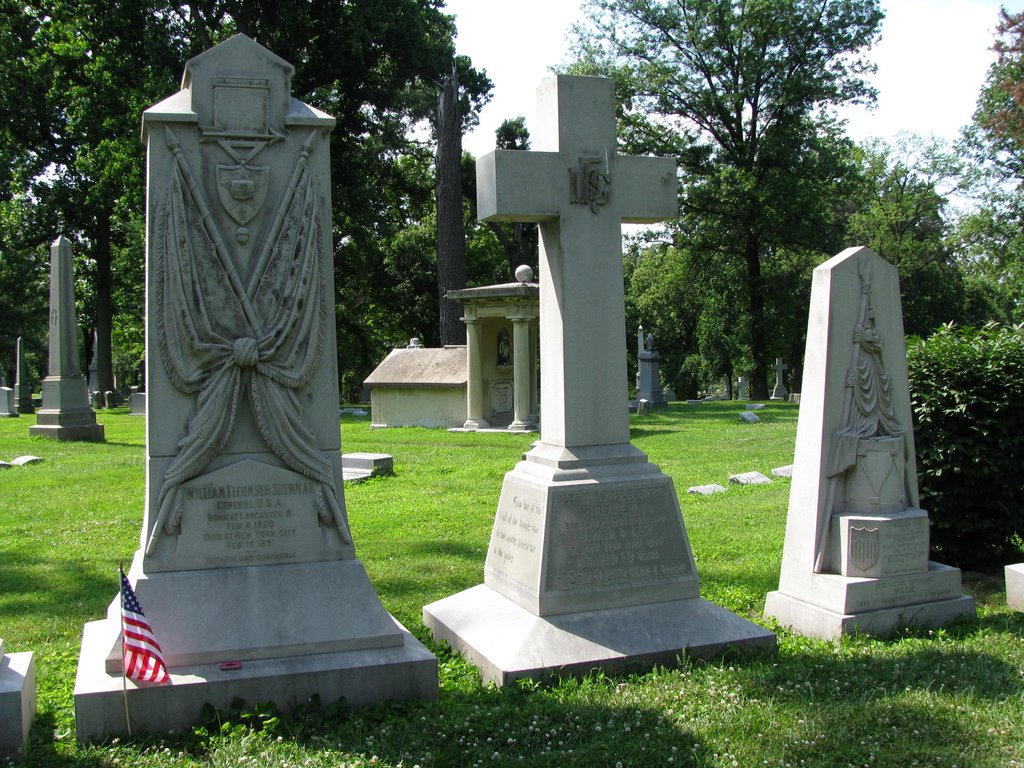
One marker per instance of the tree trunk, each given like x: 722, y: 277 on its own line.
x: 758, y: 332
x: 104, y: 304
x: 451, y: 231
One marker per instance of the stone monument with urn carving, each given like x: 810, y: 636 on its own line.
x: 856, y: 549
x: 246, y: 569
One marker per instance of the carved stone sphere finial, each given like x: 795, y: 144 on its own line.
x: 524, y: 274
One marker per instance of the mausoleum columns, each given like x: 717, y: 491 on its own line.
x: 475, y: 384
x: 522, y: 372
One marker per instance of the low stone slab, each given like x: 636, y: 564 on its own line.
x: 786, y: 471
x: 749, y: 478
x: 631, y: 638
x: 21, y: 461
x: 359, y: 466
x: 750, y: 418
x: 706, y: 490
x: 755, y: 406
x: 1015, y: 587
x: 17, y: 702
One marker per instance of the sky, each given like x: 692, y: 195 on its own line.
x: 932, y: 61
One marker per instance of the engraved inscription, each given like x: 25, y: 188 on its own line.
x: 249, y: 514
x: 605, y: 538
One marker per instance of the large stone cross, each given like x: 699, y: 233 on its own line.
x: 580, y: 191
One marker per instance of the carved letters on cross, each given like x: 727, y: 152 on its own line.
x: 589, y: 184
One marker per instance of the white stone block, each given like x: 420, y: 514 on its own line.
x: 749, y: 478
x: 17, y: 702
x: 1014, y: 586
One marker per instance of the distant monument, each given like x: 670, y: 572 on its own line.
x: 22, y: 383
x: 648, y: 374
x: 780, y: 392
x: 246, y: 569
x: 66, y: 413
x: 856, y: 551
x: 501, y: 353
x: 589, y: 565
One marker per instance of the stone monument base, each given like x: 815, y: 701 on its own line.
x: 67, y: 425
x: 360, y: 677
x: 17, y: 702
x: 830, y: 605
x: 589, y: 566
x: 507, y: 642
x: 285, y: 632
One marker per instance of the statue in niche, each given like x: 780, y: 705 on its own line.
x: 223, y: 337
x: 504, y: 348
x: 867, y: 470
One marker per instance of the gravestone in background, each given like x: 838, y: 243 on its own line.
x: 66, y: 413
x: 856, y: 549
x: 780, y: 392
x: 246, y: 555
x: 22, y: 383
x: 1014, y: 586
x: 589, y: 565
x: 8, y: 405
x: 648, y: 374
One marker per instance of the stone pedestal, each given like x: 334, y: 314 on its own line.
x: 17, y: 702
x: 8, y: 405
x: 589, y: 566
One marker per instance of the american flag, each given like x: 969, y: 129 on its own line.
x: 143, y: 659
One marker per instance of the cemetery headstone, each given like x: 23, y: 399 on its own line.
x: 22, y: 383
x: 65, y: 414
x: 17, y: 702
x: 94, y: 376
x: 749, y: 478
x: 706, y: 490
x: 741, y: 389
x: 589, y: 565
x: 648, y: 373
x: 856, y: 548
x: 8, y: 405
x: 780, y: 392
x: 785, y: 471
x: 1014, y: 586
x: 137, y: 404
x: 750, y: 417
x: 246, y: 555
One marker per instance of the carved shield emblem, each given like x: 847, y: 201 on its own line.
x: 865, y: 544
x: 242, y: 190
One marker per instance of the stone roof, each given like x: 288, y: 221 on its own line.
x: 421, y: 367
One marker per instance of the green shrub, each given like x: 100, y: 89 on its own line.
x: 967, y: 393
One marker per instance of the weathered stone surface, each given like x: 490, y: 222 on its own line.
x: 17, y: 702
x: 855, y: 554
x: 749, y: 417
x: 706, y: 490
x: 588, y: 545
x: 749, y: 478
x: 246, y: 554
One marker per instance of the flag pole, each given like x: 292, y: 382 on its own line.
x: 124, y: 672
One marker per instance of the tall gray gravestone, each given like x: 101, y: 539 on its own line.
x: 22, y: 384
x: 589, y: 565
x: 246, y: 555
x: 648, y: 373
x: 856, y: 550
x: 65, y: 413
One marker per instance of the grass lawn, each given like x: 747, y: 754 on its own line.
x: 951, y: 697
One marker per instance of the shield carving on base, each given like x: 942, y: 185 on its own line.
x: 242, y: 190
x: 865, y: 545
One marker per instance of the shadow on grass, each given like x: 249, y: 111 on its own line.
x: 47, y: 586
x: 46, y: 752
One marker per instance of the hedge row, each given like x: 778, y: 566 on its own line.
x: 967, y: 392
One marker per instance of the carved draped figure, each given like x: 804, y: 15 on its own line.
x: 222, y: 339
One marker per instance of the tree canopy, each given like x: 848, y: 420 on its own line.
x: 740, y: 93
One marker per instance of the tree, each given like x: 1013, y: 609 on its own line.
x: 738, y: 91
x: 903, y: 218
x: 93, y: 66
x: 988, y: 238
x: 451, y: 230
